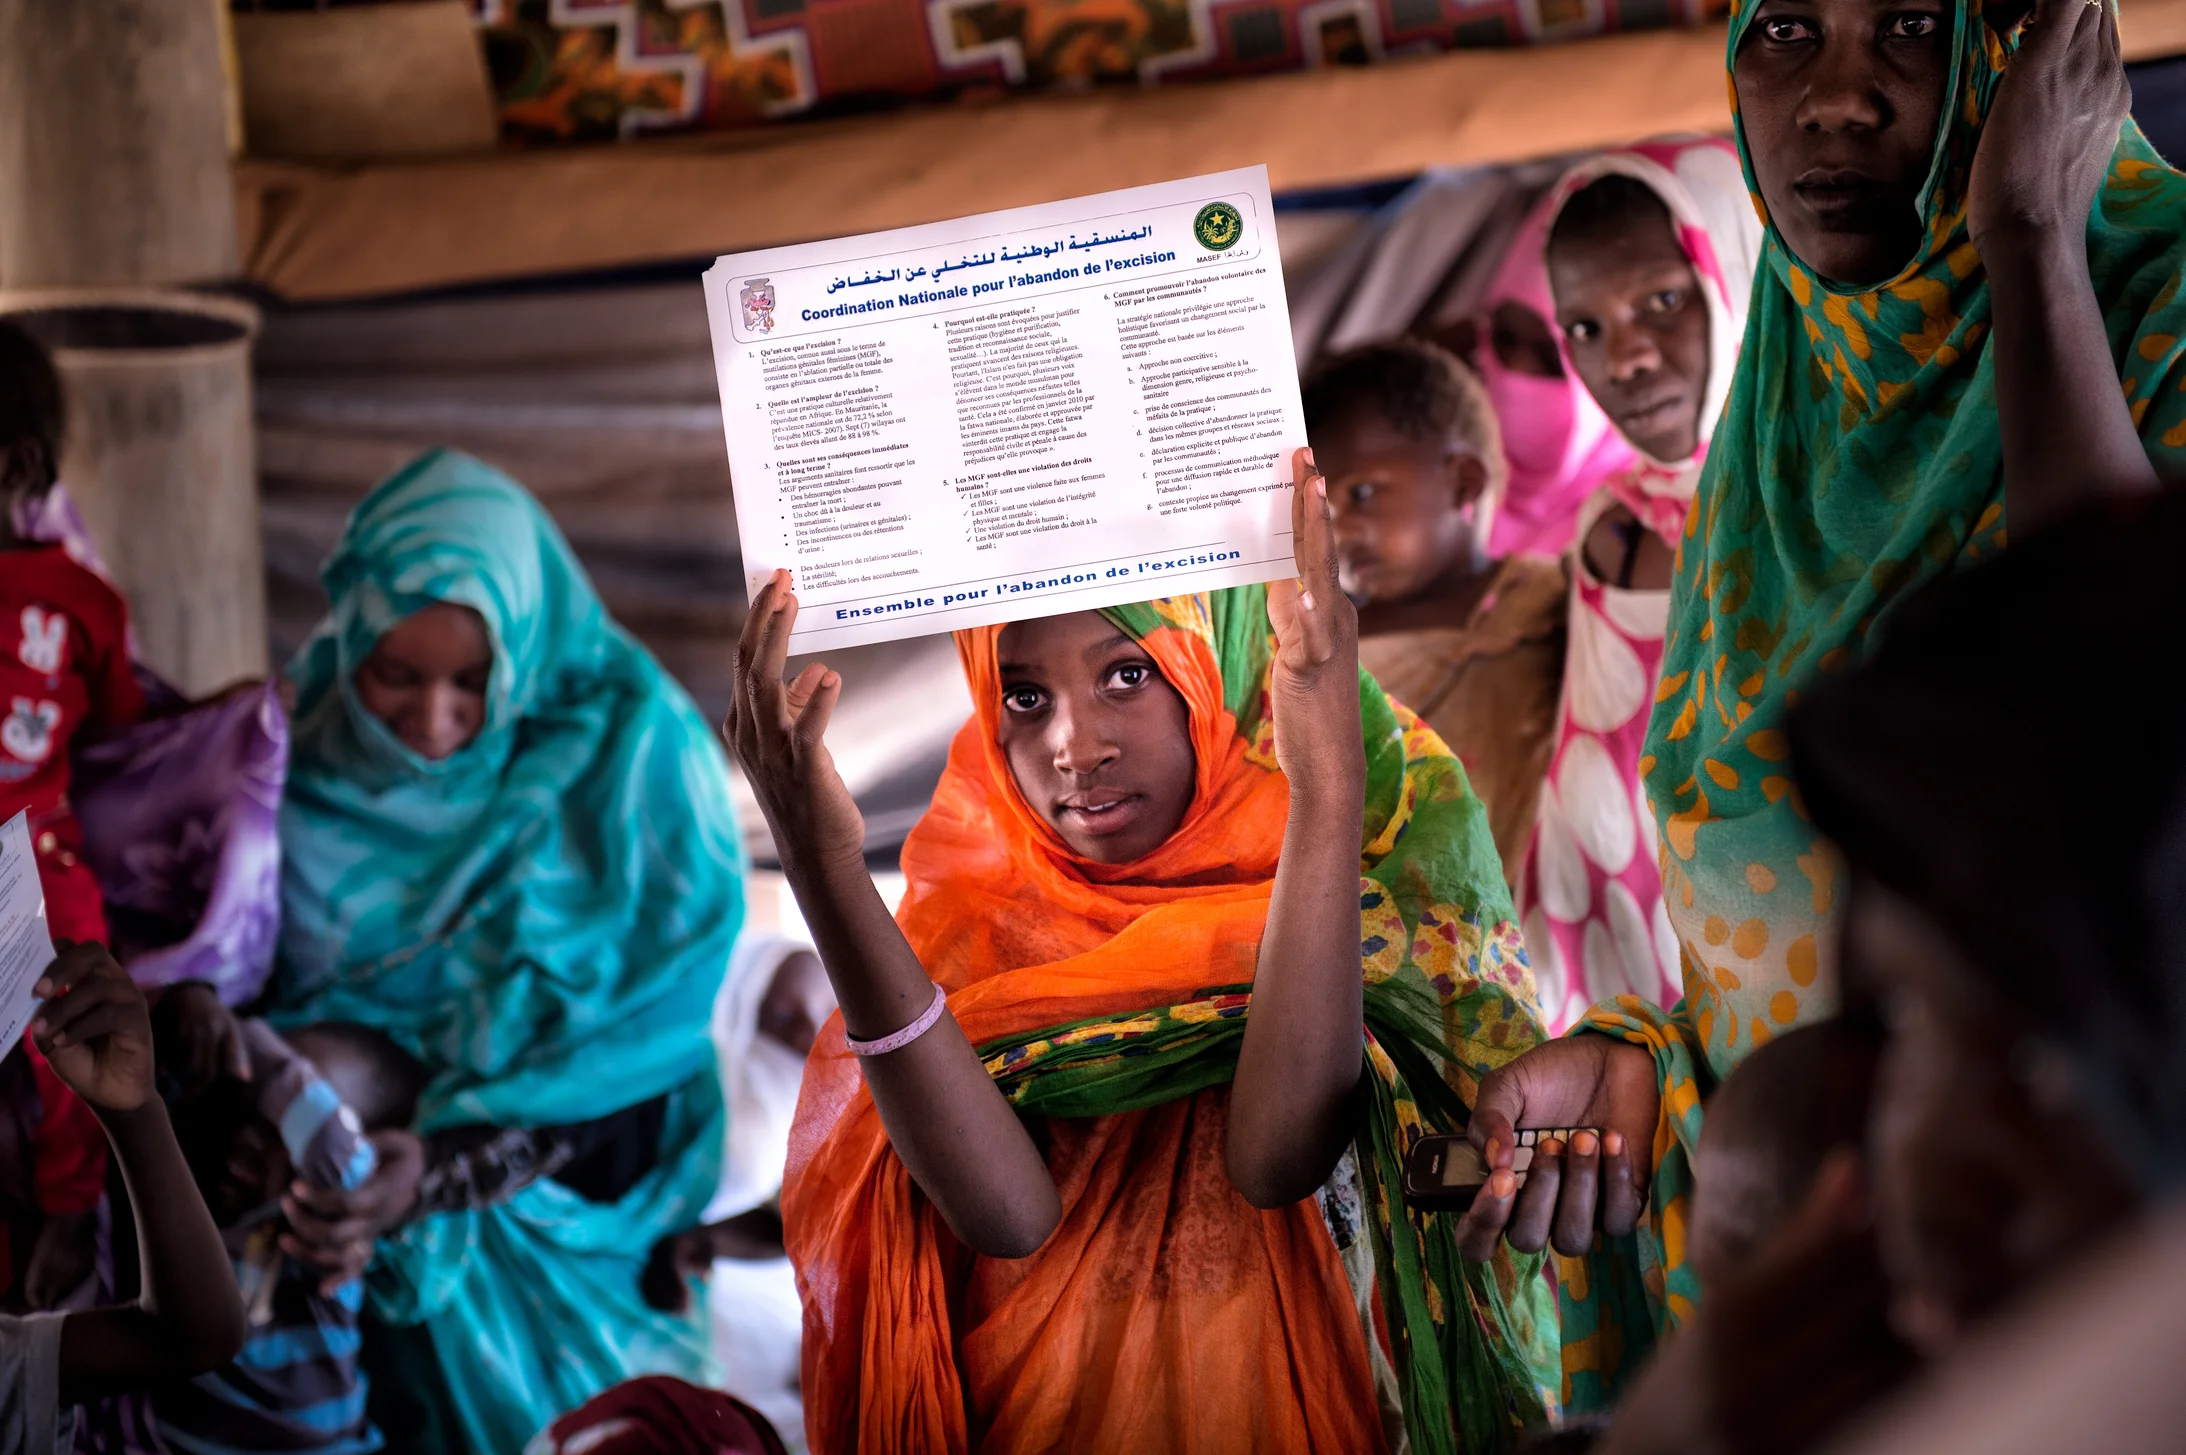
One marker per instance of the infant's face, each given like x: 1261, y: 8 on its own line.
x: 1400, y: 506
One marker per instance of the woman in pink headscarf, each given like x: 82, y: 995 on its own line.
x: 1650, y: 253
x: 1557, y: 441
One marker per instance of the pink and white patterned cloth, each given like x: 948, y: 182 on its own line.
x: 1590, y: 894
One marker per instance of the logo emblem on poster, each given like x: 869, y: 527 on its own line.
x: 1218, y: 227
x: 758, y: 300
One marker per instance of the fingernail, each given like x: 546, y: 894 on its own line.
x: 1501, y: 1185
x: 37, y: 1028
x: 1309, y: 457
x: 1320, y: 486
x: 1613, y: 1144
x: 1491, y: 1151
x: 1306, y: 600
x: 1585, y: 1144
x: 830, y: 679
x: 1552, y: 1147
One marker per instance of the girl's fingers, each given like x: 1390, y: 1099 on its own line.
x: 768, y: 643
x: 1530, y: 1220
x: 810, y: 727
x: 798, y: 693
x: 87, y: 1024
x: 1573, y: 1233
x: 72, y: 965
x: 64, y: 1012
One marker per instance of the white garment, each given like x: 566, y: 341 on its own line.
x: 32, y: 1421
x: 753, y: 1306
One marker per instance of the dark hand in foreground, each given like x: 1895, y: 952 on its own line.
x: 681, y: 1257
x: 2053, y: 125
x: 199, y: 1039
x: 1314, y: 690
x: 1595, y: 1183
x: 777, y: 732
x: 333, y: 1230
x: 94, y: 1028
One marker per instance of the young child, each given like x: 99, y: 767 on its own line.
x: 96, y: 1034
x: 1472, y: 644
x: 1769, y: 1129
x: 64, y: 666
x: 305, y: 1113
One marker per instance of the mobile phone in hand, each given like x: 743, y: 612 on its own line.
x: 1445, y: 1172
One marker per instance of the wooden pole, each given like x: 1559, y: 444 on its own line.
x: 113, y: 144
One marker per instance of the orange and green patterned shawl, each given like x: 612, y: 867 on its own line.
x: 1856, y: 459
x: 1093, y: 990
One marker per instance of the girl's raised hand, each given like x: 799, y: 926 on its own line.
x: 1315, y: 685
x: 777, y: 732
x: 94, y: 1028
x: 2051, y: 130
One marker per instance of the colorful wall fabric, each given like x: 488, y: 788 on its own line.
x: 592, y: 70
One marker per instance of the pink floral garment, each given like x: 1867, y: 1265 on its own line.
x: 1590, y: 894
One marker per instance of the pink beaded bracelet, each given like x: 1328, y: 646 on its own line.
x: 904, y: 1037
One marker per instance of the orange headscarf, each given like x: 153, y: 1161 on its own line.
x: 1165, y: 1312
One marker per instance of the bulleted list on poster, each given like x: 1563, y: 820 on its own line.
x: 1043, y: 410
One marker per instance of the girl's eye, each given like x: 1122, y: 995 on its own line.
x: 1132, y: 674
x: 474, y: 681
x: 1786, y: 32
x: 1666, y: 301
x: 1360, y: 494
x: 1912, y: 27
x: 1021, y: 699
x: 1586, y: 330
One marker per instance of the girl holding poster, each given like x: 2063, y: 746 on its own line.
x: 1102, y: 1151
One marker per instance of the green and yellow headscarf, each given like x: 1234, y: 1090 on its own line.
x: 1858, y: 457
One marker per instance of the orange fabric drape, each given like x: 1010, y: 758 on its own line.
x: 1165, y: 1313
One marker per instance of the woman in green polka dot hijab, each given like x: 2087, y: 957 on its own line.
x: 1969, y: 317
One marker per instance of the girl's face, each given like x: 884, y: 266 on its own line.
x: 1986, y: 1174
x: 1636, y: 326
x: 1840, y: 101
x: 1098, y: 741
x: 427, y: 678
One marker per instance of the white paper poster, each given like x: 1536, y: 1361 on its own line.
x: 1043, y: 410
x: 26, y: 948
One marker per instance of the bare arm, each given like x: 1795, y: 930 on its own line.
x: 958, y: 1137
x: 97, y: 1034
x: 1294, y: 1104
x: 2068, y: 435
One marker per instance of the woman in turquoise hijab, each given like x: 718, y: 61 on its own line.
x: 509, y: 846
x: 1970, y: 318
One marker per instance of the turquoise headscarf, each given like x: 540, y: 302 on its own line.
x: 1857, y: 458
x: 543, y: 918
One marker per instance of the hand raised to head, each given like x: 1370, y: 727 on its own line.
x: 2053, y: 125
